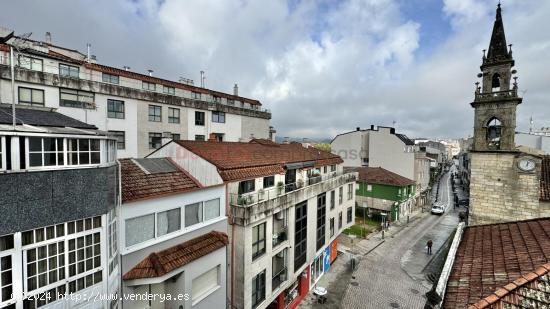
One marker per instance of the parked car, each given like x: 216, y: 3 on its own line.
x: 437, y: 209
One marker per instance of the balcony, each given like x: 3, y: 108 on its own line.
x: 497, y: 95
x: 278, y: 278
x: 263, y: 203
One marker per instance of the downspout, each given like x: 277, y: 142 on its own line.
x: 118, y: 212
x: 230, y: 221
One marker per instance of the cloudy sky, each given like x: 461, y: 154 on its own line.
x: 322, y: 67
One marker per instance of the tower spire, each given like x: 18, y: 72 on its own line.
x: 498, y: 49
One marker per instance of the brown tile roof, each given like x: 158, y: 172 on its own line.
x: 137, y: 184
x: 165, y: 82
x: 491, y: 256
x: 239, y: 161
x: 545, y: 179
x: 378, y: 175
x: 524, y: 292
x: 4, y: 47
x: 160, y: 263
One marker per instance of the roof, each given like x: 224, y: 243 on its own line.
x: 137, y: 184
x: 490, y: 257
x: 523, y: 292
x: 160, y: 263
x: 545, y: 179
x: 239, y: 161
x: 405, y: 139
x: 498, y: 50
x: 40, y: 117
x: 378, y: 175
x: 402, y: 137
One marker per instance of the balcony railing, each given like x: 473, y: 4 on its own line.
x: 279, y: 237
x: 489, y: 96
x: 278, y: 278
x: 248, y: 199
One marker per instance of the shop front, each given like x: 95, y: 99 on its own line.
x: 291, y: 297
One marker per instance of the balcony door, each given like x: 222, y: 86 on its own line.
x: 290, y: 180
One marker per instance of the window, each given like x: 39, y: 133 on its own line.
x: 83, y: 151
x: 321, y: 219
x: 45, y: 265
x: 196, y: 96
x: 31, y: 96
x: 369, y: 188
x: 350, y: 191
x: 218, y: 117
x: 155, y: 113
x: 112, y: 238
x: 169, y: 90
x: 168, y: 221
x: 45, y: 151
x: 230, y: 102
x: 2, y: 157
x: 340, y: 220
x: 115, y: 109
x: 332, y: 199
x: 173, y: 115
x: 120, y: 140
x: 84, y: 254
x: 325, y: 169
x: 494, y: 132
x: 340, y: 195
x: 331, y: 225
x: 269, y: 181
x: 199, y: 118
x: 258, y: 289
x: 200, y: 212
x: 246, y: 186
x: 199, y: 137
x: 176, y: 136
x: 333, y: 168
x: 155, y: 140
x: 216, y: 99
x: 205, y: 284
x: 111, y: 79
x: 69, y: 70
x: 218, y: 136
x: 258, y: 240
x: 349, y: 215
x: 148, y: 86
x: 139, y: 229
x: 76, y: 98
x: 300, y: 235
x: 29, y: 63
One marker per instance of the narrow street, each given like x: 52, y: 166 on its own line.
x: 393, y: 275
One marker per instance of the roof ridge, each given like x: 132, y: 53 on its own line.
x: 507, y: 289
x: 510, y: 222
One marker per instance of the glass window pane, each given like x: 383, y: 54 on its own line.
x: 37, y: 96
x: 35, y: 144
x: 24, y: 95
x: 168, y: 221
x: 140, y: 229
x: 211, y: 209
x: 193, y: 214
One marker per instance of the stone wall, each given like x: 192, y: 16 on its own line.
x: 499, y: 192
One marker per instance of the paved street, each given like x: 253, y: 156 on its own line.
x: 391, y: 272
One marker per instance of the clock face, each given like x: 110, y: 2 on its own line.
x: 527, y: 165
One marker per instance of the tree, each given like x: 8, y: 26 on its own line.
x: 323, y: 146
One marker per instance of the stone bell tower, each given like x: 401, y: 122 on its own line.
x: 504, y: 183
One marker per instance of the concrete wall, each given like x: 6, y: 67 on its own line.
x: 349, y: 146
x: 254, y: 126
x: 500, y: 192
x: 539, y: 142
x: 388, y: 151
x: 36, y: 199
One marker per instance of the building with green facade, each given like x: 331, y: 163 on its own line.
x: 379, y: 190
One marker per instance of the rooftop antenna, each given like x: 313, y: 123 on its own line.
x: 150, y: 72
x: 531, y: 124
x: 17, y: 43
x: 202, y: 79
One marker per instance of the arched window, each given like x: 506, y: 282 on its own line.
x: 494, y: 128
x: 495, y: 83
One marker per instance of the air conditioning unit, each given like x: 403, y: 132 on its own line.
x: 280, y: 215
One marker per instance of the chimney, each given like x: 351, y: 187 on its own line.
x: 212, y: 137
x: 126, y: 68
x: 166, y: 137
x: 202, y: 79
x: 150, y: 72
x: 48, y: 38
x: 88, y: 55
x: 272, y: 132
x: 236, y: 90
x: 358, y: 128
x: 251, y: 136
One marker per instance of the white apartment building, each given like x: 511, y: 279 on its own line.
x: 376, y: 147
x: 138, y: 109
x: 58, y: 240
x: 286, y: 204
x: 173, y: 239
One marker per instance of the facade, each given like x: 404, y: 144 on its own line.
x: 376, y: 147
x: 58, y: 211
x: 286, y: 205
x: 422, y: 177
x: 534, y: 141
x: 383, y: 191
x: 505, y: 184
x: 173, y: 237
x: 138, y: 108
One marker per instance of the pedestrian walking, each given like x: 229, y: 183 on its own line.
x: 429, y: 246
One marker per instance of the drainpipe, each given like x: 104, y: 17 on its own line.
x: 12, y: 67
x: 230, y: 221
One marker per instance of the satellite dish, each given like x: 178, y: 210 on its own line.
x: 479, y: 75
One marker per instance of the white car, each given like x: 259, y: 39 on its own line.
x: 437, y: 209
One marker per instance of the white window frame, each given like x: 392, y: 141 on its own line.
x: 148, y: 86
x: 78, y: 152
x: 31, y: 62
x: 9, y: 252
x: 3, y: 153
x: 201, y: 207
x: 168, y: 90
x: 210, y: 290
x: 57, y: 152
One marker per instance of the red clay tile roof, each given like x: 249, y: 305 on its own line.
x: 545, y: 179
x: 4, y: 47
x: 491, y: 256
x: 524, y: 292
x: 165, y: 82
x: 378, y: 175
x: 239, y: 161
x: 160, y: 263
x: 137, y: 184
